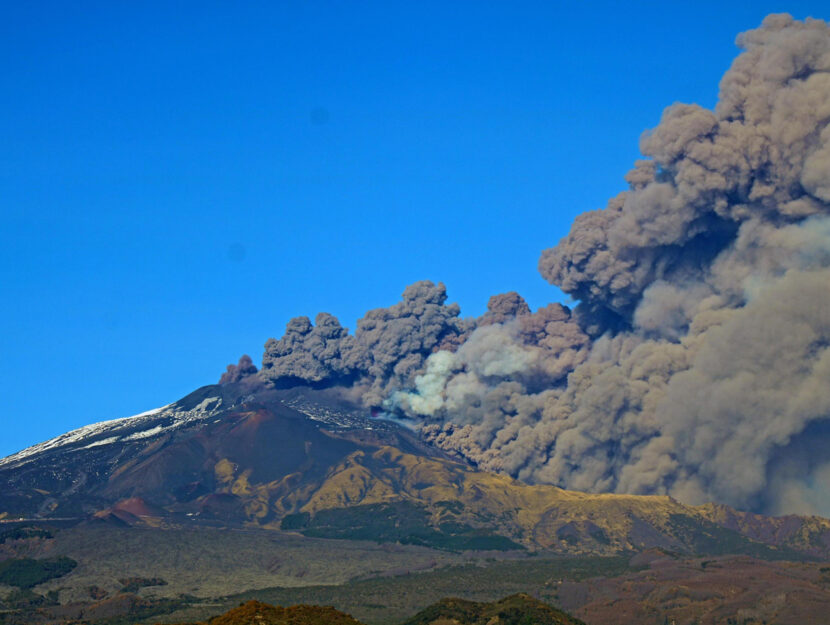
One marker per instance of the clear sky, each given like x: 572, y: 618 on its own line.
x: 179, y: 179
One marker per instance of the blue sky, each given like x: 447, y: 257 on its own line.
x: 179, y: 179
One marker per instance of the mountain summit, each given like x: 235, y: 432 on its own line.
x: 312, y: 462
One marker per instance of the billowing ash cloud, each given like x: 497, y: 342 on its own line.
x: 762, y: 156
x: 235, y: 373
x: 504, y: 307
x: 309, y: 353
x: 391, y: 344
x: 387, y: 350
x: 697, y: 361
x: 706, y: 289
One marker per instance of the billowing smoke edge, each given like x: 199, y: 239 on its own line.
x: 697, y: 360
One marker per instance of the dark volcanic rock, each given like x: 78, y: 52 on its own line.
x: 179, y: 459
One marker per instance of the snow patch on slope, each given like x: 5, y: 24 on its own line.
x: 145, y: 434
x: 104, y: 441
x: 75, y: 436
x: 136, y: 427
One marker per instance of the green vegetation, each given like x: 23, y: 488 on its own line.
x: 706, y: 538
x: 142, y: 610
x: 27, y: 573
x: 28, y: 608
x: 400, y: 522
x: 390, y: 600
x: 599, y: 535
x: 23, y: 599
x: 295, y: 521
x: 22, y: 533
x: 519, y: 609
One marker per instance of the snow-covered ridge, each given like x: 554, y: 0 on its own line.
x: 76, y: 436
x: 143, y: 425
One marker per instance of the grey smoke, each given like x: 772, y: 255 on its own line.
x: 504, y: 307
x: 243, y: 369
x: 697, y: 360
x: 309, y: 353
x: 707, y: 290
x: 387, y: 350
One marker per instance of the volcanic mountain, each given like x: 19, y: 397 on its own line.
x: 310, y: 461
x: 193, y: 456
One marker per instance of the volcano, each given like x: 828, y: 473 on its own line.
x: 178, y: 460
x: 313, y: 462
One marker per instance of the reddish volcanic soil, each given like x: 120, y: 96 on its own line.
x: 710, y: 591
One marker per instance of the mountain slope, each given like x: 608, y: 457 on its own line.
x: 182, y: 454
x: 243, y: 456
x: 544, y: 517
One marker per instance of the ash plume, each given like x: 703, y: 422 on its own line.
x: 706, y: 289
x: 387, y: 350
x: 308, y: 353
x: 696, y: 362
x: 392, y: 344
x: 244, y: 368
x: 504, y: 307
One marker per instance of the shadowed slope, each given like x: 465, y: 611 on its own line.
x: 235, y: 456
x: 520, y: 609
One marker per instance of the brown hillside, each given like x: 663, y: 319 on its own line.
x: 520, y: 609
x: 547, y: 517
x: 258, y: 613
x: 217, y: 459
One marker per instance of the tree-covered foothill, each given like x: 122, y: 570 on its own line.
x: 28, y: 572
